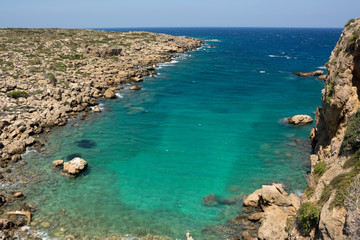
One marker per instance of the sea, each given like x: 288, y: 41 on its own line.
x: 210, y: 122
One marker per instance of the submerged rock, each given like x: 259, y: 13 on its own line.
x: 210, y: 200
x: 299, y: 119
x: 74, y: 167
x: 86, y: 143
x: 72, y: 156
x: 135, y: 88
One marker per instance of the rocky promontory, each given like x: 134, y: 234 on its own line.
x: 48, y: 76
x: 329, y: 207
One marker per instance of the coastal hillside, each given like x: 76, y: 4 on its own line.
x: 48, y: 76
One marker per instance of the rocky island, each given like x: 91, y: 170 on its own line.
x: 48, y: 76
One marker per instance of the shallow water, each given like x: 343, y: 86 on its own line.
x: 210, y: 122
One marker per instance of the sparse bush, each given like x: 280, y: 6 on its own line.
x: 351, y: 143
x: 319, y: 170
x: 349, y: 22
x: 352, y: 40
x: 338, y: 50
x: 308, y: 217
x: 17, y: 94
x: 352, y: 204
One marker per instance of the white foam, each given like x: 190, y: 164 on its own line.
x: 119, y: 95
x: 212, y: 40
x: 262, y: 72
x: 277, y: 56
x: 322, y: 67
x: 100, y: 106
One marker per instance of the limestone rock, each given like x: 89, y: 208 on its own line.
x: 96, y: 52
x: 135, y: 88
x: 58, y: 163
x: 97, y: 109
x: 75, y: 166
x: 18, y: 195
x: 253, y: 199
x: 309, y: 74
x: 322, y: 77
x: 110, y: 93
x: 273, y: 224
x: 299, y: 119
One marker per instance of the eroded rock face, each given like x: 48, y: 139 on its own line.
x: 74, y: 167
x: 299, y: 119
x: 277, y: 206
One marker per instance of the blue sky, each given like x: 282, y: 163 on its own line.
x: 175, y: 13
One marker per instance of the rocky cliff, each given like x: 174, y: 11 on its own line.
x: 330, y: 206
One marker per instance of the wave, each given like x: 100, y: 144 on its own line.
x: 262, y: 71
x: 119, y: 95
x: 322, y: 67
x: 285, y: 56
x: 212, y: 40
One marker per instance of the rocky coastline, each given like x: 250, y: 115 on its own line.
x: 48, y: 76
x: 329, y: 208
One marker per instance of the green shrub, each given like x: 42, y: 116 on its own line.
x: 352, y: 40
x: 350, y: 143
x: 338, y: 50
x: 17, y: 94
x: 349, y: 22
x: 319, y: 170
x: 308, y: 216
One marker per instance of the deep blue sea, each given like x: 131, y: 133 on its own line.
x: 209, y: 122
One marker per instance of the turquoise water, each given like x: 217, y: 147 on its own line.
x: 210, y: 122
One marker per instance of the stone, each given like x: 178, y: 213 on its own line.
x: 75, y: 166
x: 97, y: 109
x: 2, y: 200
x: 58, y: 163
x: 137, y: 79
x: 134, y: 88
x: 256, y: 216
x: 273, y: 224
x: 18, y: 195
x: 309, y: 74
x: 299, y: 119
x: 45, y: 224
x: 322, y: 77
x: 110, y: 93
x: 210, y: 200
x: 253, y: 199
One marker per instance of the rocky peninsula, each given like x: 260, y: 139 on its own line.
x: 48, y: 76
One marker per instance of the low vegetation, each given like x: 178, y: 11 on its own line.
x: 350, y: 143
x: 17, y: 94
x: 319, y: 170
x: 308, y: 217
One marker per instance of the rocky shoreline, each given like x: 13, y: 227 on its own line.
x: 48, y: 76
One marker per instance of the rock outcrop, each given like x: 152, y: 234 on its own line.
x: 309, y: 74
x: 299, y: 119
x: 329, y: 207
x: 74, y: 167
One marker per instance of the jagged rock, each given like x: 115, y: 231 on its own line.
x: 309, y: 74
x: 322, y: 77
x: 75, y: 167
x: 253, y: 199
x: 18, y: 195
x: 5, y: 224
x: 97, y: 109
x: 2, y: 200
x: 135, y: 88
x: 110, y: 93
x: 299, y: 119
x: 58, y: 163
x: 256, y: 216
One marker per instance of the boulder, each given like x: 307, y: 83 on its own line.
x: 137, y: 79
x: 210, y: 200
x: 18, y: 195
x: 74, y: 167
x: 58, y: 163
x: 135, y: 88
x: 97, y: 109
x: 309, y: 74
x: 253, y: 199
x: 299, y: 119
x: 110, y: 93
x: 322, y: 77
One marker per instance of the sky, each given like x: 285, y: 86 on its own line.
x: 176, y: 13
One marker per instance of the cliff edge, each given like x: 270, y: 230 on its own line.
x: 330, y: 206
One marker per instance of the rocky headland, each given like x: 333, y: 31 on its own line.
x: 329, y: 208
x: 48, y: 76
